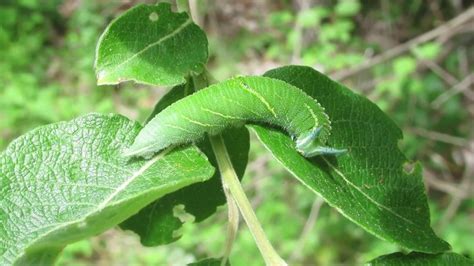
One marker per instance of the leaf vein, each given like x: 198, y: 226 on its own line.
x: 366, y: 195
x: 158, y: 42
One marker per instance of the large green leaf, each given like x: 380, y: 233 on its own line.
x: 150, y: 44
x: 368, y: 184
x: 67, y: 181
x: 422, y: 259
x: 157, y: 223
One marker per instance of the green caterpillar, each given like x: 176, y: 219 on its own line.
x: 233, y: 103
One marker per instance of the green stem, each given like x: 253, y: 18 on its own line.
x: 200, y: 82
x: 183, y: 6
x: 232, y: 226
x: 235, y: 194
x: 232, y: 183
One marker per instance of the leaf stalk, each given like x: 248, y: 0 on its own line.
x: 232, y: 183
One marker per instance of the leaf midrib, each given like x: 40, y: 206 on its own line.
x: 138, y: 173
x: 151, y: 45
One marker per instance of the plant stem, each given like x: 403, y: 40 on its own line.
x: 183, y: 6
x: 235, y: 194
x: 201, y: 81
x: 232, y: 226
x: 232, y: 183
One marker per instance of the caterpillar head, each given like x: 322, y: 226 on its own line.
x: 308, y: 145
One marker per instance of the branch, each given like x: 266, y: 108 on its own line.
x: 447, y: 27
x: 298, y: 28
x: 444, y: 186
x: 465, y: 185
x: 460, y: 87
x: 441, y: 72
x: 437, y: 136
x: 193, y: 9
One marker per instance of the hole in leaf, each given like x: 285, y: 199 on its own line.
x: 177, y: 233
x: 180, y: 213
x: 408, y: 167
x: 153, y: 16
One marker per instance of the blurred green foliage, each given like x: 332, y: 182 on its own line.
x: 47, y: 51
x: 39, y: 48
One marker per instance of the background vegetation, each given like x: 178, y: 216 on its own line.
x: 415, y: 59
